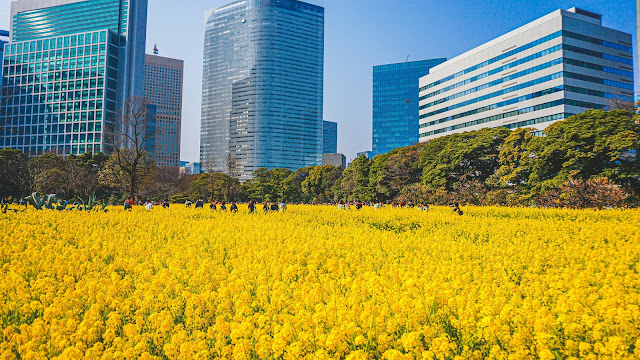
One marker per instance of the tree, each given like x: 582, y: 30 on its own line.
x: 14, y: 173
x: 456, y: 158
x: 130, y: 139
x: 292, y: 186
x: 48, y: 174
x: 354, y: 184
x: 392, y: 172
x: 267, y: 185
x: 319, y: 184
x: 587, y: 146
x: 621, y: 104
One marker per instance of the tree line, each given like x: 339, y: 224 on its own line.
x: 588, y: 160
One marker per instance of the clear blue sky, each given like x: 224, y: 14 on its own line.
x: 358, y: 35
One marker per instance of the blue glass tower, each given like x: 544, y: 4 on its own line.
x: 395, y: 104
x: 4, y: 38
x: 329, y: 137
x: 262, y: 86
x: 68, y: 68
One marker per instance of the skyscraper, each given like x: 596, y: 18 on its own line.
x: 395, y: 103
x: 262, y: 88
x: 4, y: 38
x: 329, y: 137
x: 163, y: 88
x: 559, y: 65
x: 69, y: 66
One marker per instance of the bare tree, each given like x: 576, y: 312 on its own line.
x: 621, y: 104
x: 209, y: 166
x: 129, y: 140
x: 233, y: 167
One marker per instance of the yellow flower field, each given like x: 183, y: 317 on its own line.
x: 318, y: 283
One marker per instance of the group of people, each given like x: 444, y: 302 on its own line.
x: 378, y: 205
x: 148, y: 204
x: 282, y: 207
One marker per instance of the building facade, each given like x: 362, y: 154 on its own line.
x: 68, y: 68
x: 338, y: 160
x: 4, y: 39
x: 163, y: 88
x: 187, y: 167
x: 559, y: 65
x: 395, y: 103
x: 262, y: 88
x: 329, y: 137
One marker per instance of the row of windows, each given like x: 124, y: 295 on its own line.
x: 78, y: 127
x: 599, y: 80
x: 53, y: 139
x: 66, y: 149
x: 58, y: 86
x: 538, y: 68
x: 494, y: 117
x: 56, y: 43
x: 532, y: 57
x: 525, y: 98
x: 532, y: 83
x: 494, y: 83
x: 536, y: 43
x: 500, y: 69
x: 507, y: 115
x: 58, y: 55
x: 598, y: 54
x: 64, y: 75
x: 593, y: 40
x: 495, y: 94
x: 495, y: 59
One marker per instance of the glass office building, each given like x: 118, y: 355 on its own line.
x: 4, y: 38
x: 67, y: 69
x: 395, y: 103
x: 163, y: 88
x: 262, y: 88
x: 556, y: 66
x: 329, y: 137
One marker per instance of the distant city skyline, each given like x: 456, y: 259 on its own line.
x: 359, y: 35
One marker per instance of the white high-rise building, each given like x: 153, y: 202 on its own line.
x: 554, y: 67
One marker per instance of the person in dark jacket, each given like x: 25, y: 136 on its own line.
x: 252, y: 207
x: 234, y: 207
x: 455, y: 207
x: 274, y: 206
x: 223, y: 206
x: 213, y: 206
x: 199, y: 203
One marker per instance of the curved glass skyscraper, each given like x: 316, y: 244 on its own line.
x: 262, y: 88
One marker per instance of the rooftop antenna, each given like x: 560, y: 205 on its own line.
x: 407, y: 59
x: 155, y: 49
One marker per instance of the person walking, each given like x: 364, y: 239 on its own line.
x: 455, y: 207
x: 274, y: 206
x: 213, y: 206
x: 148, y: 205
x: 265, y: 207
x: 199, y: 204
x: 252, y: 207
x: 165, y: 204
x: 283, y: 207
x: 234, y: 207
x: 188, y: 203
x: 223, y: 206
x: 128, y: 204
